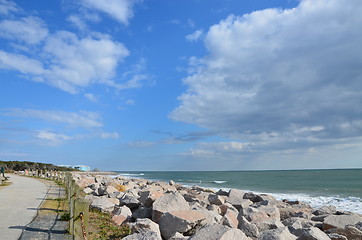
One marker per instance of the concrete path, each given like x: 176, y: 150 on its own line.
x: 18, y: 205
x: 47, y: 224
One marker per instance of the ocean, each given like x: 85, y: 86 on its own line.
x: 338, y: 187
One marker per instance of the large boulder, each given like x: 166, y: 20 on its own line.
x: 149, y: 235
x: 145, y: 225
x: 277, y: 234
x: 236, y: 198
x: 230, y: 219
x: 350, y: 232
x: 289, y: 209
x: 250, y: 229
x: 100, y: 203
x: 85, y: 182
x: 184, y: 221
x: 148, y: 197
x: 313, y: 234
x: 219, y: 232
x: 325, y: 210
x: 142, y: 212
x: 121, y: 214
x: 168, y: 203
x: 341, y: 221
x: 216, y: 199
x: 130, y: 199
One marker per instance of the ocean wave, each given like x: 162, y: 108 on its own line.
x: 219, y: 182
x: 353, y: 204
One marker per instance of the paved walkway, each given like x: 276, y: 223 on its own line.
x: 20, y: 215
x: 18, y: 205
x: 46, y: 225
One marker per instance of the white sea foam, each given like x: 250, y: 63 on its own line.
x: 219, y: 182
x: 353, y: 204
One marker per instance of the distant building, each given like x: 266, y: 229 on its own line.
x: 77, y: 167
x: 81, y: 168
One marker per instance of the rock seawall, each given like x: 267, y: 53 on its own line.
x: 158, y: 210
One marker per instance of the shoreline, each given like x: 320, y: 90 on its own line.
x: 180, y: 212
x: 342, y: 203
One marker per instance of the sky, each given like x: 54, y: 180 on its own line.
x: 182, y: 84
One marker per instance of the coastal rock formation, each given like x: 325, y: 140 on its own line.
x: 169, y: 211
x: 168, y: 203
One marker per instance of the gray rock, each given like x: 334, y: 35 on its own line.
x: 351, y: 232
x: 145, y: 225
x: 148, y: 197
x: 101, y: 203
x: 340, y: 221
x: 143, y: 236
x: 268, y: 225
x: 184, y: 221
x: 325, y: 210
x: 168, y: 203
x: 313, y: 234
x: 130, y: 199
x: 230, y: 219
x: 298, y: 223
x: 250, y: 229
x: 101, y: 190
x: 290, y: 209
x: 216, y: 199
x: 277, y: 234
x: 335, y: 236
x: 253, y: 197
x: 121, y: 214
x: 219, y: 232
x: 142, y: 212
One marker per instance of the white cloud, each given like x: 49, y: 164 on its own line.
x: 121, y: 10
x: 280, y: 78
x: 6, y: 7
x: 53, y: 137
x: 106, y: 135
x: 81, y: 62
x: 30, y: 30
x: 91, y: 97
x: 20, y: 63
x: 78, y: 22
x: 82, y: 119
x: 193, y: 37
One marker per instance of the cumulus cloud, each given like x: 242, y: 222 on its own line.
x: 121, y: 10
x: 79, y: 62
x: 20, y: 63
x: 280, y: 78
x: 30, y: 30
x: 193, y: 37
x: 63, y: 59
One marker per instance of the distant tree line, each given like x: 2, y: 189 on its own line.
x: 22, y: 165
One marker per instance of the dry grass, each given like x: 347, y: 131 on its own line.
x: 101, y: 227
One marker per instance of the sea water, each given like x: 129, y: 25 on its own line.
x: 339, y: 187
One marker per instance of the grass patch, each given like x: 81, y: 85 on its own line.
x: 54, y: 206
x: 101, y: 227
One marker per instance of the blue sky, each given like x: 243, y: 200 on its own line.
x: 182, y: 84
